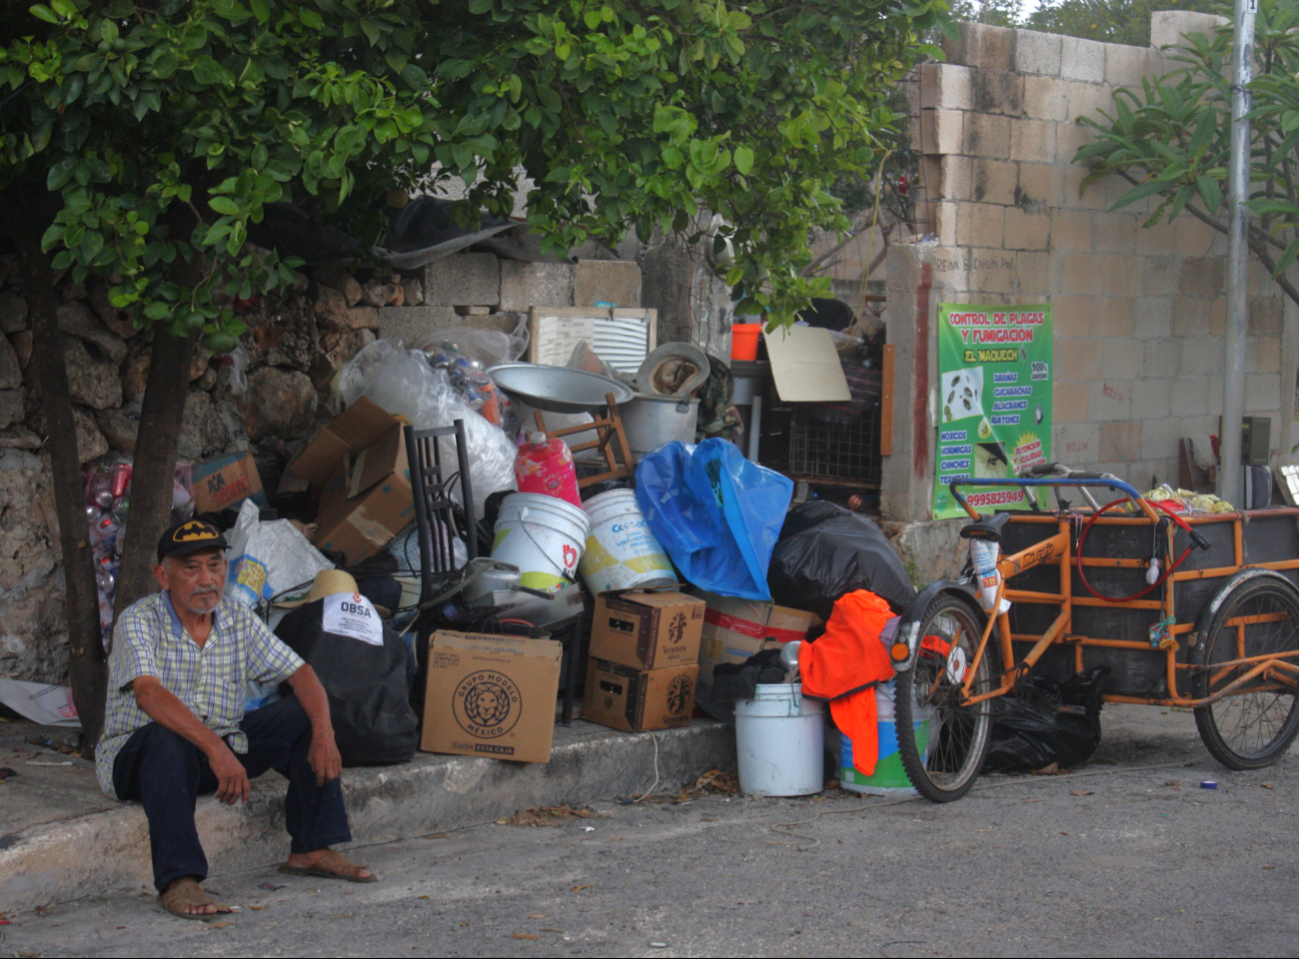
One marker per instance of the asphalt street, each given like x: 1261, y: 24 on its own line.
x: 1123, y: 860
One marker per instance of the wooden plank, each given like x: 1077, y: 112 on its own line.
x: 886, y: 404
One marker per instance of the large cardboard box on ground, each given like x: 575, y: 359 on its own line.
x: 491, y: 696
x: 227, y: 481
x: 647, y: 628
x: 735, y: 629
x: 636, y: 700
x: 366, y: 498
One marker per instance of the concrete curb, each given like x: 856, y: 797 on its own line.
x: 94, y: 853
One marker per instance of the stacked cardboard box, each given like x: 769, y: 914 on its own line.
x: 644, y: 659
x: 735, y: 629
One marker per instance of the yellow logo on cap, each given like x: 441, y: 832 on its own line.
x: 193, y: 531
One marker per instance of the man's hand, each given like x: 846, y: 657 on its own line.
x: 323, y: 756
x: 232, y: 778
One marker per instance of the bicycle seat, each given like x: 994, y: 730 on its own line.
x: 986, y: 527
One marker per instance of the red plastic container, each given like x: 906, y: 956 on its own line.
x: 546, y: 466
x: 744, y: 340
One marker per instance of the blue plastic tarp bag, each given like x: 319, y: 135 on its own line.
x: 717, y: 514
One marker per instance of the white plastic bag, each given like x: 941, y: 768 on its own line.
x: 268, y: 558
x: 402, y: 382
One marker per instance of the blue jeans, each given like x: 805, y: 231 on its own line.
x: 167, y: 773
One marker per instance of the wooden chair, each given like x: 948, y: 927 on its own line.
x: 610, y: 440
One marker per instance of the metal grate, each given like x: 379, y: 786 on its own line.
x: 832, y: 452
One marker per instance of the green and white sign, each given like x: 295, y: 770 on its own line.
x: 994, y: 405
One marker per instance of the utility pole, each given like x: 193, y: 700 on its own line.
x: 1233, y: 380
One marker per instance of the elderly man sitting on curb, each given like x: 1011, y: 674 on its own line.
x: 175, y: 726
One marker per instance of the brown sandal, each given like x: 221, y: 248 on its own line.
x: 187, y: 892
x: 330, y: 866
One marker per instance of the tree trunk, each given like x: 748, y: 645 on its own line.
x: 87, y: 662
x: 155, y: 464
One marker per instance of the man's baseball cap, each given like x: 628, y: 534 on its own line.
x: 190, y: 537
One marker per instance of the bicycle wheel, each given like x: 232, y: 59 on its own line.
x: 1255, y: 725
x: 943, y: 743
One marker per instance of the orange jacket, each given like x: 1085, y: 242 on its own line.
x: 845, y: 665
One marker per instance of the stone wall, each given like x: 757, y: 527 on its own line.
x: 297, y: 342
x: 1138, y: 313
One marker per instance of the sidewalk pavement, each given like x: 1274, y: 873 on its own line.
x: 61, y: 838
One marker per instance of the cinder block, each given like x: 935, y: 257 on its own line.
x: 980, y: 225
x: 1124, y: 65
x: 1120, y: 359
x: 1191, y: 316
x: 1193, y: 396
x: 1152, y: 317
x: 1076, y: 443
x: 409, y: 323
x: 1033, y: 140
x: 1034, y: 274
x: 1170, y: 26
x: 951, y: 269
x: 1112, y: 318
x: 1267, y: 353
x: 1157, y: 240
x: 981, y: 45
x: 1072, y: 316
x: 1077, y: 359
x: 991, y: 270
x: 997, y: 91
x: 955, y: 178
x: 1258, y: 279
x: 1122, y: 276
x: 1071, y: 403
x: 1078, y: 196
x: 1160, y: 275
x: 524, y: 285
x: 1262, y: 392
x: 1159, y: 438
x: 1115, y: 232
x: 1044, y: 99
x: 1205, y: 276
x: 1026, y: 231
x: 945, y: 215
x: 1191, y: 237
x: 1264, y: 314
x: 1071, y: 232
x: 1041, y: 187
x: 606, y: 281
x: 993, y: 181
x: 1082, y: 275
x: 945, y: 86
x: 1082, y: 59
x: 1109, y: 400
x: 1086, y: 100
x: 1120, y: 441
x: 986, y: 135
x: 463, y: 279
x: 1162, y: 357
x: 1151, y: 398
x: 1202, y: 354
x: 1037, y: 52
x: 1069, y: 139
x: 942, y: 131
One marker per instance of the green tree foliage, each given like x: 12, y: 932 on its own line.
x: 620, y: 112
x: 1171, y: 139
x: 1110, y: 21
x: 997, y: 13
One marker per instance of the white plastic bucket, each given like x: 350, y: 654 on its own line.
x: 621, y: 552
x: 780, y: 738
x: 543, y: 536
x: 889, y: 778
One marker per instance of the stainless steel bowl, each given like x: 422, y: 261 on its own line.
x: 557, y: 389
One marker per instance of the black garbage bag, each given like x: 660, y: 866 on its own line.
x: 374, y: 724
x: 1045, y: 722
x: 825, y: 552
x: 733, y: 682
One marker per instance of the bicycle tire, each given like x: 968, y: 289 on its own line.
x: 1253, y: 728
x: 934, y: 734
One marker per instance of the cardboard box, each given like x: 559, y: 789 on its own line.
x: 635, y: 700
x: 647, y: 628
x: 360, y: 425
x: 227, y: 481
x: 368, y: 500
x: 735, y: 629
x: 491, y: 696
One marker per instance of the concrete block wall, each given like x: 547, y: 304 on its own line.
x: 1139, y: 313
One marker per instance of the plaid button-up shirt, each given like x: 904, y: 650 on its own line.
x: 149, y: 640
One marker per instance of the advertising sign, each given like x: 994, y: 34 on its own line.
x: 994, y: 404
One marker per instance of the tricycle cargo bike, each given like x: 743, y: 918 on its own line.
x: 1192, y: 611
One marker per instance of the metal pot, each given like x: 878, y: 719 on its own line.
x: 652, y: 422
